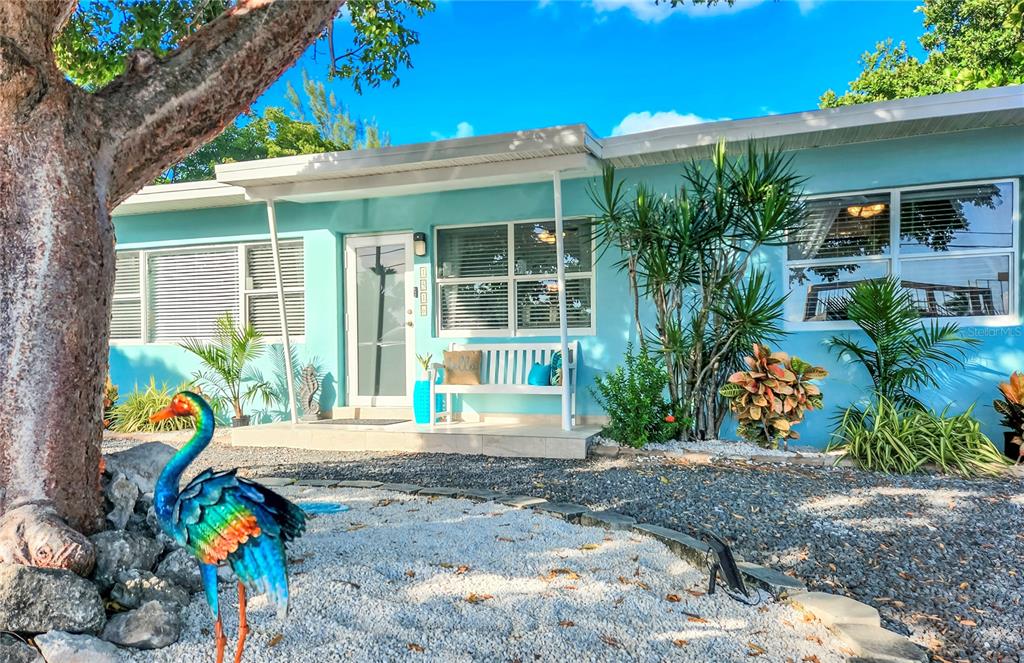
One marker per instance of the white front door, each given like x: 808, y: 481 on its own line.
x: 380, y: 338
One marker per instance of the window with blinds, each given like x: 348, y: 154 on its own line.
x: 261, y: 288
x: 953, y: 247
x: 126, y: 319
x: 168, y: 295
x: 499, y: 279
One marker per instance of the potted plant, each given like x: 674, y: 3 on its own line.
x: 227, y: 376
x: 1012, y: 411
x: 421, y: 391
x: 772, y: 395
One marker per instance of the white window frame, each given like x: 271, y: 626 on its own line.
x: 511, y: 278
x: 243, y: 292
x: 895, y: 260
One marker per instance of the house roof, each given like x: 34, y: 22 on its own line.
x: 574, y: 150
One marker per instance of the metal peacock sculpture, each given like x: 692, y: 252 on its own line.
x: 224, y: 519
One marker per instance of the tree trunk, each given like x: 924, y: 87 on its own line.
x: 56, y: 273
x: 66, y: 159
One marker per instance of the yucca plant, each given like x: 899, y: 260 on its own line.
x: 772, y: 395
x: 132, y: 415
x: 689, y: 253
x: 888, y: 437
x: 228, y: 378
x: 904, y: 352
x: 1011, y: 408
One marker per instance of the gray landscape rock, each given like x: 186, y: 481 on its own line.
x: 357, y: 483
x: 61, y: 647
x: 521, y: 501
x: 409, y: 488
x: 181, y: 568
x: 36, y: 600
x: 684, y: 545
x: 13, y: 650
x: 776, y: 583
x: 565, y: 510
x: 833, y: 609
x: 438, y: 491
x: 118, y: 551
x: 607, y: 520
x: 141, y: 464
x: 151, y: 626
x: 134, y: 587
x: 121, y: 493
x: 481, y: 494
x: 879, y: 645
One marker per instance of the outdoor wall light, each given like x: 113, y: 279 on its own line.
x: 419, y: 244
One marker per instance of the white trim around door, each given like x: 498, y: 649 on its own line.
x: 388, y: 377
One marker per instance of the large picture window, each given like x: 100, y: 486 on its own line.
x: 952, y: 246
x: 164, y: 296
x: 500, y: 279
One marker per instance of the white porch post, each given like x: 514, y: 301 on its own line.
x: 563, y: 323
x: 272, y: 223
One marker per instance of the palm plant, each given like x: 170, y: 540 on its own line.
x: 227, y: 377
x: 904, y: 352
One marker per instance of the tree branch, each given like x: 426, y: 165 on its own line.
x: 159, y: 111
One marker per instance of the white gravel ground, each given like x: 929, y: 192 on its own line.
x: 726, y: 449
x: 401, y: 578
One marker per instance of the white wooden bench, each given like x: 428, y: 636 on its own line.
x: 504, y: 369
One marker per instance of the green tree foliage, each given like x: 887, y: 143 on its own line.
x: 969, y: 44
x: 315, y: 123
x: 92, y: 48
x: 101, y: 33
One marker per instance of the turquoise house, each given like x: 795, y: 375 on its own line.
x: 386, y: 254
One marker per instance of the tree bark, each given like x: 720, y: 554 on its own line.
x: 67, y: 159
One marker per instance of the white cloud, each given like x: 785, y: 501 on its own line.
x: 648, y: 121
x: 806, y: 6
x: 462, y: 130
x: 650, y: 12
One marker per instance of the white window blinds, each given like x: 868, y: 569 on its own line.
x: 167, y: 295
x: 499, y: 279
x: 126, y: 319
x: 188, y: 291
x: 952, y: 247
x: 261, y: 288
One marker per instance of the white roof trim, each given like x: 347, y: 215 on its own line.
x: 829, y: 119
x: 520, y: 156
x: 181, y: 196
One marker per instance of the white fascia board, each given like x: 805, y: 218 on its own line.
x: 554, y: 140
x: 184, y: 195
x: 503, y: 173
x: 776, y: 126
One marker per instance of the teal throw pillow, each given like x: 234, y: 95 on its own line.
x: 540, y: 375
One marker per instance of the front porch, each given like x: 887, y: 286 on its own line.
x: 491, y: 438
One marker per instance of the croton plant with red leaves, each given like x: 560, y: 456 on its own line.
x: 772, y: 395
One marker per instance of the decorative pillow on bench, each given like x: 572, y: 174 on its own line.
x: 540, y: 375
x: 556, y: 369
x: 462, y: 366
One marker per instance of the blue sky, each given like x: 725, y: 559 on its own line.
x: 617, y: 65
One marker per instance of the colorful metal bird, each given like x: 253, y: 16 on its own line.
x: 224, y: 519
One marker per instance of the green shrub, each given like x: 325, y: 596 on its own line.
x: 132, y: 415
x: 633, y: 396
x: 891, y: 438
